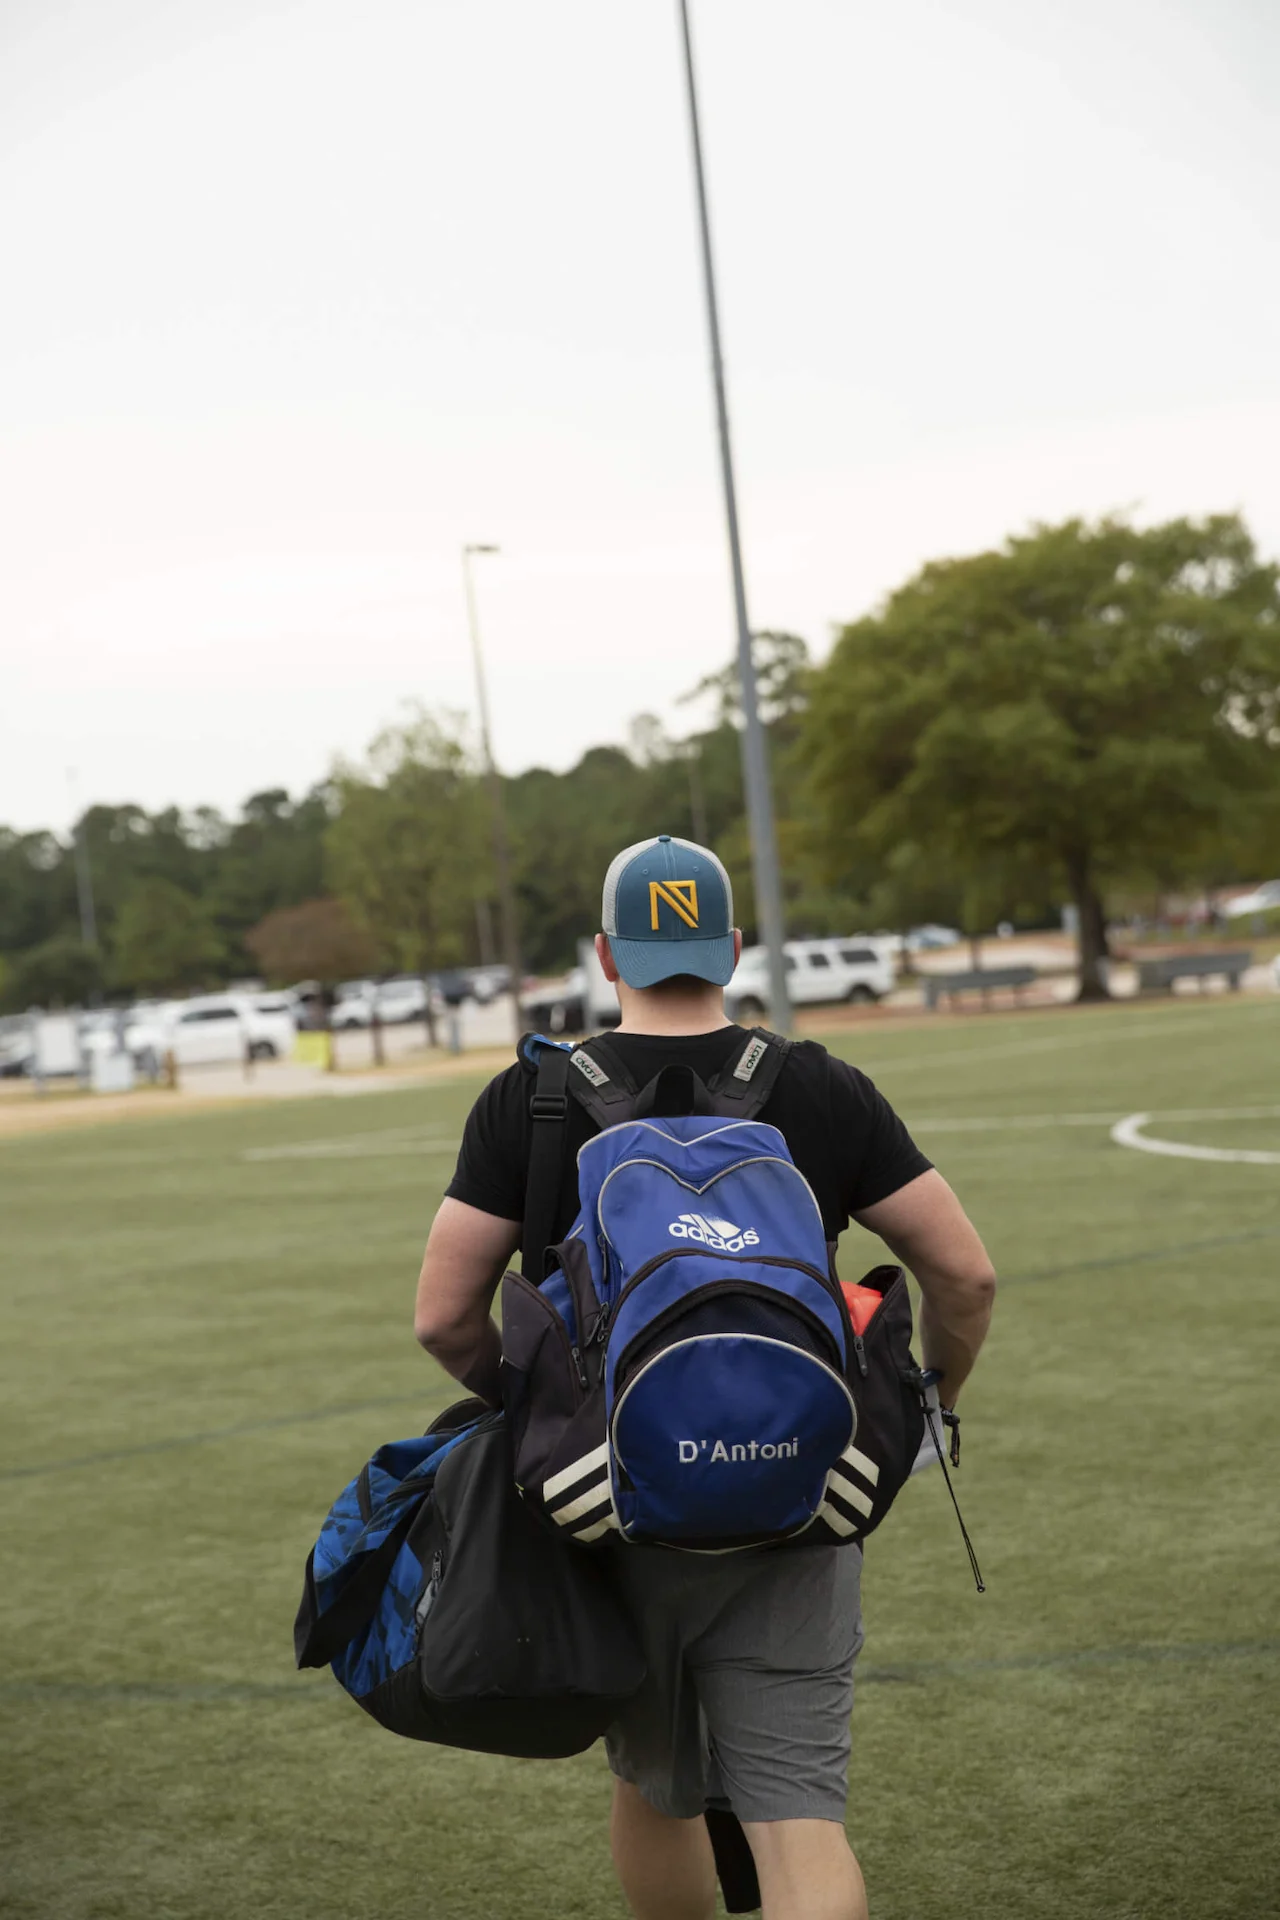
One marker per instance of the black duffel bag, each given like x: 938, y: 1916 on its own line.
x: 452, y: 1613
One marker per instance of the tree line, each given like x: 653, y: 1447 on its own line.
x: 1089, y: 713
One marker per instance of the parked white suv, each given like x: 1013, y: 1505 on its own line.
x: 818, y: 972
x: 215, y: 1027
x: 399, y: 999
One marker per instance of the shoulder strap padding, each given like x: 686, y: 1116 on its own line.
x: 743, y: 1085
x: 601, y: 1081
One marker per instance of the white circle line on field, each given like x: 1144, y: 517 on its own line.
x: 1129, y: 1133
x: 989, y: 1123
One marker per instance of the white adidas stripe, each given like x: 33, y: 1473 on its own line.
x: 601, y: 1526
x: 590, y: 1463
x: 581, y: 1504
x: 851, y: 1496
x: 862, y: 1464
x: 838, y: 1522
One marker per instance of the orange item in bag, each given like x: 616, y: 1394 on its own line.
x: 862, y: 1303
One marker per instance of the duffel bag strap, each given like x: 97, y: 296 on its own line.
x: 549, y: 1111
x: 735, y: 1862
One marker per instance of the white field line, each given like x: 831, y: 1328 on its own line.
x: 992, y: 1125
x: 1129, y: 1133
x: 988, y: 1124
x: 384, y: 1144
x: 1150, y: 1029
x: 392, y: 1142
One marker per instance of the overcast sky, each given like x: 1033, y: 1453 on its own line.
x: 297, y: 298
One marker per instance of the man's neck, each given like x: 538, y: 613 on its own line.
x: 670, y: 1016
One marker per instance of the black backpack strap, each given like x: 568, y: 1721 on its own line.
x: 745, y: 1083
x: 601, y: 1081
x: 549, y: 1111
x: 675, y: 1090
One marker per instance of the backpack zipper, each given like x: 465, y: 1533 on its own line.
x: 572, y: 1351
x: 696, y: 1295
x: 431, y: 1591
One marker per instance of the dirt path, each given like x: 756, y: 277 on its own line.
x: 23, y: 1110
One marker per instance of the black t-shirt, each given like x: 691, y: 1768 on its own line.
x: 843, y: 1135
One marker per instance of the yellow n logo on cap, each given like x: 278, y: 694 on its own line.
x: 680, y: 895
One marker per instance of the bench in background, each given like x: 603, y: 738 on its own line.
x: 938, y: 986
x: 1158, y: 976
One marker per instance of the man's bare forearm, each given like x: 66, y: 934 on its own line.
x: 926, y: 1227
x: 473, y: 1358
x: 465, y: 1255
x: 953, y: 1326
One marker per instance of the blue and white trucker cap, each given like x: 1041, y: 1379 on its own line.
x: 668, y: 909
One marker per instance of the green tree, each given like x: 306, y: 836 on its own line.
x: 781, y: 662
x: 1094, y: 701
x: 164, y: 939
x: 37, y: 889
x: 61, y: 972
x: 273, y: 856
x: 408, y: 849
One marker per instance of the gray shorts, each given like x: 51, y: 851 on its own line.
x: 750, y: 1681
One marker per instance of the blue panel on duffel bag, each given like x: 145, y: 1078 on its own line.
x: 752, y: 1460
x: 390, y: 1640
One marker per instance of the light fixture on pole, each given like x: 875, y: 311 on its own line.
x: 497, y: 810
x: 755, y: 747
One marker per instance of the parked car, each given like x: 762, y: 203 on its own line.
x: 212, y: 1028
x: 275, y: 1019
x: 17, y: 1050
x: 927, y: 939
x: 1263, y: 899
x: 818, y: 972
x: 557, y: 1006
x: 404, y: 997
x: 488, y: 982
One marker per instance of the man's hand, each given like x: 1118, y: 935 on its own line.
x: 927, y: 1228
x: 467, y: 1251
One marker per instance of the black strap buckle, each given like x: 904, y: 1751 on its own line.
x: 549, y: 1106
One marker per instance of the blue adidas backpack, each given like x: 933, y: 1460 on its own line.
x: 686, y: 1373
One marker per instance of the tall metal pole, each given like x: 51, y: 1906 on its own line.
x: 497, y: 810
x: 755, y: 748
x: 84, y: 878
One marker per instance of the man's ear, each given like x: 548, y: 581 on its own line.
x: 737, y: 945
x: 605, y: 958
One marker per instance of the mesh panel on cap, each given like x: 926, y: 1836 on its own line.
x: 617, y: 867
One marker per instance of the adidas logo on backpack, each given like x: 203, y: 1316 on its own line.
x: 721, y: 1235
x: 685, y: 1379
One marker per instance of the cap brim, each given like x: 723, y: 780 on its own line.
x: 642, y: 963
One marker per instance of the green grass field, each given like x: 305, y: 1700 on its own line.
x: 205, y: 1328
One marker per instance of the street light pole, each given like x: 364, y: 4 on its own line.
x: 84, y: 878
x: 497, y: 810
x: 755, y: 748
